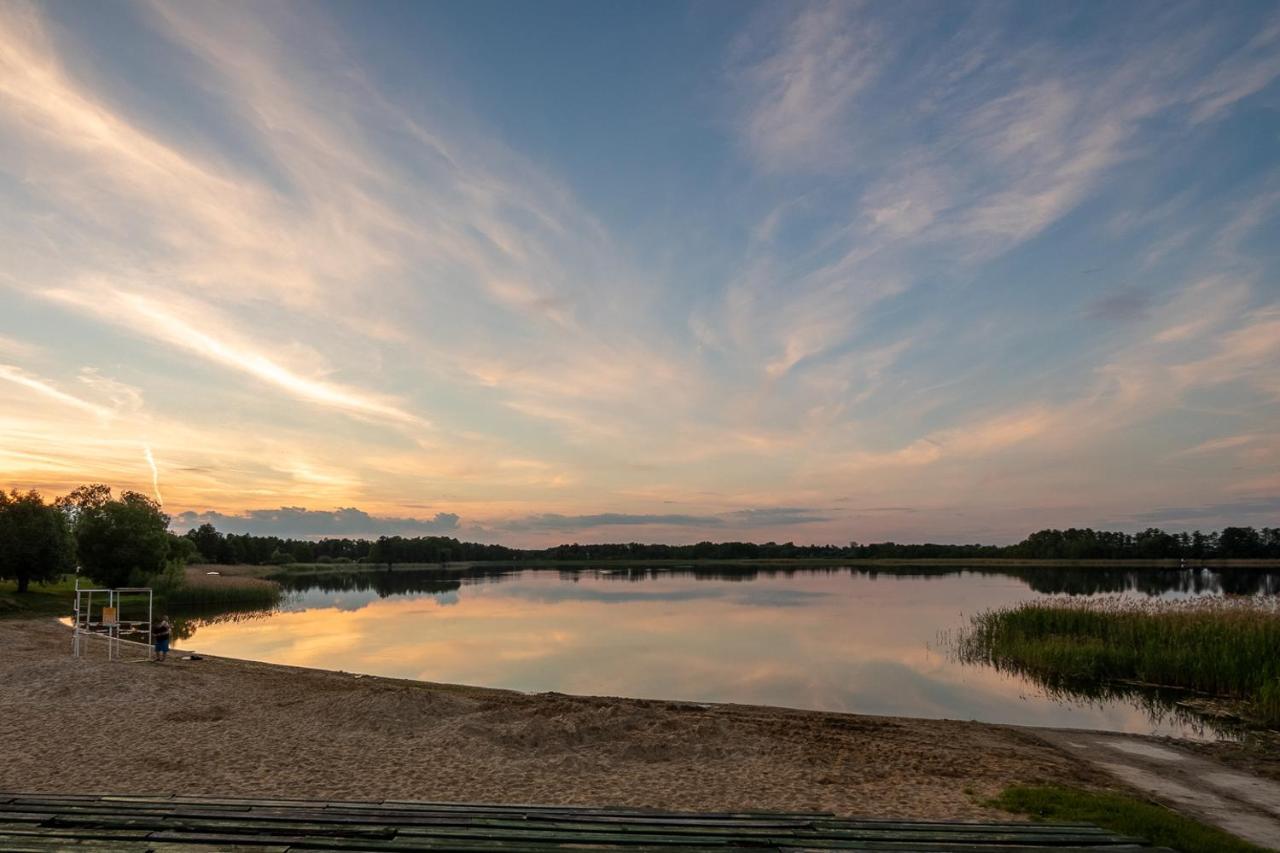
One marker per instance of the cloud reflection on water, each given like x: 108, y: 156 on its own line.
x: 835, y: 641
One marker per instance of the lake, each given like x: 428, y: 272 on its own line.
x: 831, y: 639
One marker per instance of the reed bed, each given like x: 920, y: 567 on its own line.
x: 1227, y: 648
x: 199, y: 591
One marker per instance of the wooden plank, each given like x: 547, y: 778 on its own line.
x: 574, y: 813
x: 239, y: 801
x: 889, y: 843
x: 925, y: 834
x: 956, y: 831
x: 49, y: 798
x: 860, y: 823
x: 923, y: 831
x: 622, y: 811
x: 333, y: 817
x: 24, y: 794
x: 781, y: 821
x: 568, y: 826
x: 550, y: 817
x: 623, y: 839
x: 657, y: 837
x: 951, y: 848
x: 618, y: 825
x: 940, y: 847
x: 461, y: 844
x: 1035, y: 841
x: 75, y: 832
x: 304, y: 843
x: 83, y: 804
x: 89, y: 809
x: 220, y: 825
x: 295, y: 815
x: 23, y: 817
x: 24, y: 844
x: 184, y: 847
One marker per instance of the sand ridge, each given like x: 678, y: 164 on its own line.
x: 239, y: 728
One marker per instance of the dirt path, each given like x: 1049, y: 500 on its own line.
x: 1239, y: 802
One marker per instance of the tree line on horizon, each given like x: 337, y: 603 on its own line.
x: 1070, y: 544
x: 126, y: 541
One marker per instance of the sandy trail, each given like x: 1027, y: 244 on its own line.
x: 1240, y: 802
x: 229, y: 727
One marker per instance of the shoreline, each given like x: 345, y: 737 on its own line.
x: 223, y: 726
x: 764, y: 562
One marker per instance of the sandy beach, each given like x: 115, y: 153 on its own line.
x: 229, y: 727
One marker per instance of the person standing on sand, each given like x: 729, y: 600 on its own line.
x: 160, y: 635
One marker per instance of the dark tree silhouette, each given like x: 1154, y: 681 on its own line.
x: 35, y: 540
x: 119, y: 541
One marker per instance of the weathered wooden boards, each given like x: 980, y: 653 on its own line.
x: 44, y: 822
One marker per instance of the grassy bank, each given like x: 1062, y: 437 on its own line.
x: 194, y: 592
x: 53, y: 599
x: 1223, y: 648
x: 1122, y: 814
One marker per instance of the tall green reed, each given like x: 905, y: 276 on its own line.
x: 1221, y: 647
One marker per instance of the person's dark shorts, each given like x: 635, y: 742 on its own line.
x: 162, y: 644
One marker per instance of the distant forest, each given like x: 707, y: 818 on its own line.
x: 1072, y: 544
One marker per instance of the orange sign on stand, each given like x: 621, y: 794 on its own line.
x: 110, y: 616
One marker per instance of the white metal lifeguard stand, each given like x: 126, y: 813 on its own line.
x: 108, y: 623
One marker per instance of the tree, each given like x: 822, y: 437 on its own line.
x: 35, y: 540
x: 1239, y: 542
x: 382, y: 551
x: 119, y: 541
x: 182, y: 550
x: 208, y: 542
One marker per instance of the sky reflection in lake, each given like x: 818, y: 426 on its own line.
x: 826, y: 640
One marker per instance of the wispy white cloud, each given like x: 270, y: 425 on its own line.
x: 14, y: 348
x: 1244, y: 73
x: 1216, y: 445
x: 122, y: 397
x: 800, y: 91
x: 144, y: 316
x: 19, y: 377
x: 1015, y: 144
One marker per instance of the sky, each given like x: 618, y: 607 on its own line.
x: 613, y: 271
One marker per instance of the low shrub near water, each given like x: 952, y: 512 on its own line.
x: 1226, y: 648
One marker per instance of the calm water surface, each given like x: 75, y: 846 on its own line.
x: 824, y: 639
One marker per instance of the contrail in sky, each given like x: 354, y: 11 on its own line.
x: 155, y: 473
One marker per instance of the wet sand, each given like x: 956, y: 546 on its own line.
x: 238, y: 728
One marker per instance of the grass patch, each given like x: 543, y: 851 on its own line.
x: 1121, y: 814
x: 1224, y: 648
x: 194, y: 592
x: 40, y: 599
